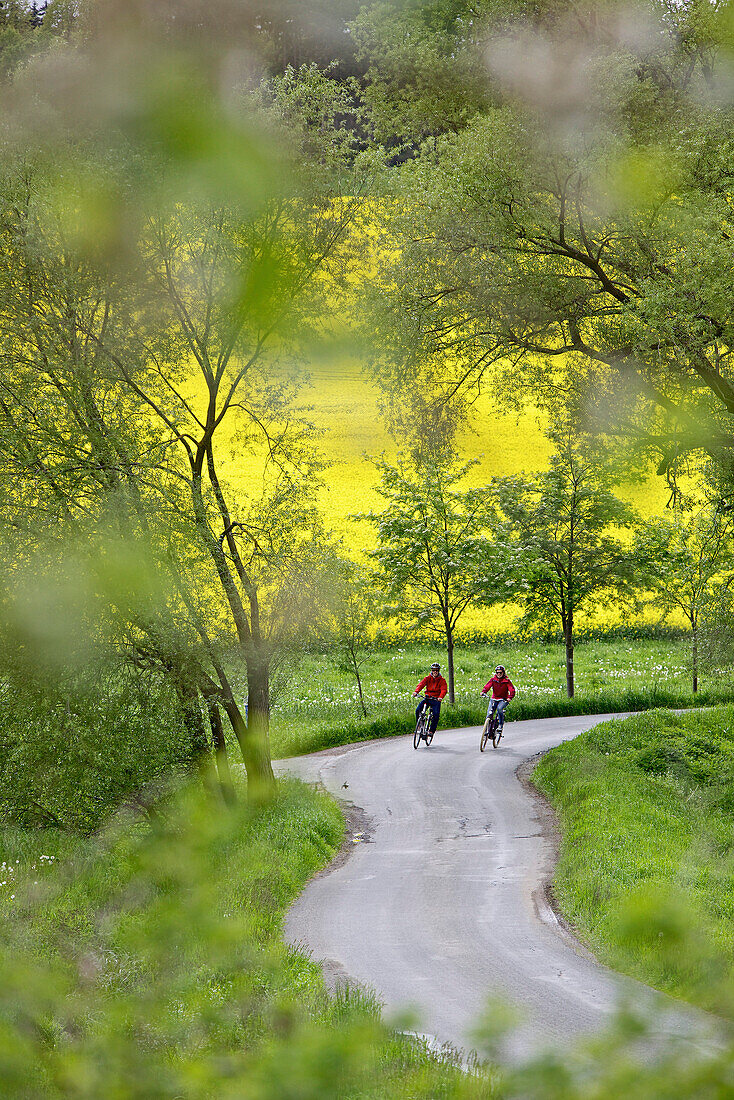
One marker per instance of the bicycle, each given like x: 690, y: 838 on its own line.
x: 423, y: 731
x: 492, y: 729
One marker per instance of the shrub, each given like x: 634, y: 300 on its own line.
x: 71, y: 753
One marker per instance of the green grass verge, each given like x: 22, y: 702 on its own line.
x: 646, y: 869
x: 315, y: 703
x: 303, y: 738
x: 150, y: 964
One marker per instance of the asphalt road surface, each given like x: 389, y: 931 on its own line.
x: 441, y: 900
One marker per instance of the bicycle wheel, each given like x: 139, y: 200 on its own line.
x: 494, y: 733
x: 485, y: 737
x: 417, y: 734
x: 429, y: 732
x: 498, y: 736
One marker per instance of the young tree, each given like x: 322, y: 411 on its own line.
x: 433, y: 552
x: 350, y: 613
x: 693, y: 558
x: 562, y: 527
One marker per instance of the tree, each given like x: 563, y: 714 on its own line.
x: 424, y: 70
x: 561, y: 526
x: 26, y: 29
x: 146, y: 338
x: 150, y: 460
x: 433, y: 552
x: 693, y: 558
x: 350, y: 613
x: 576, y: 235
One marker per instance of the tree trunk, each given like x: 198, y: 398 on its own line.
x: 450, y: 655
x: 358, y: 678
x: 190, y: 706
x: 568, y: 637
x: 260, y: 778
x: 220, y: 749
x: 253, y: 746
x: 255, y: 753
x: 694, y: 654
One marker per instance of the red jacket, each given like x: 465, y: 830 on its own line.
x: 501, y: 689
x: 436, y: 687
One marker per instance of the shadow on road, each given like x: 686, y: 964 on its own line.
x: 442, y: 749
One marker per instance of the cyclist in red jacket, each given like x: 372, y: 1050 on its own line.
x: 436, y: 687
x: 502, y: 690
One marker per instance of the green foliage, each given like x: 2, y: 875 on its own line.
x: 692, y: 553
x: 647, y: 867
x: 26, y: 29
x: 691, y: 572
x: 424, y: 68
x: 433, y: 550
x: 73, y: 749
x: 351, y: 608
x: 564, y: 526
x: 158, y: 263
x: 320, y: 111
x: 574, y: 238
x: 152, y: 967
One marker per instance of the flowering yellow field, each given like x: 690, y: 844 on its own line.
x: 344, y: 407
x: 345, y: 411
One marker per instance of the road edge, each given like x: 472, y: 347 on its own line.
x: 547, y: 906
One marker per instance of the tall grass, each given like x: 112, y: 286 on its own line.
x: 318, y: 708
x: 149, y: 964
x: 646, y: 871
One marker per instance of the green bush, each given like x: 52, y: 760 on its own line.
x: 71, y: 752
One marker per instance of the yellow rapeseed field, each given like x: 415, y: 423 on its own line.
x: 351, y: 431
x: 344, y: 407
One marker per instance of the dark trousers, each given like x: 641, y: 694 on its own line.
x: 434, y: 705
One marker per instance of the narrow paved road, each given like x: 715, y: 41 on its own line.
x: 441, y: 902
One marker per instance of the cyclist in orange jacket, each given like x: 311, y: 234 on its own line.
x: 436, y: 687
x: 503, y: 690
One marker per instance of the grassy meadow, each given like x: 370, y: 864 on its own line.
x: 315, y: 703
x: 148, y: 963
x: 646, y: 871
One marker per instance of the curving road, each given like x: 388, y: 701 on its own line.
x: 441, y: 902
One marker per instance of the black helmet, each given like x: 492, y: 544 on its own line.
x: 500, y: 668
x: 436, y: 665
